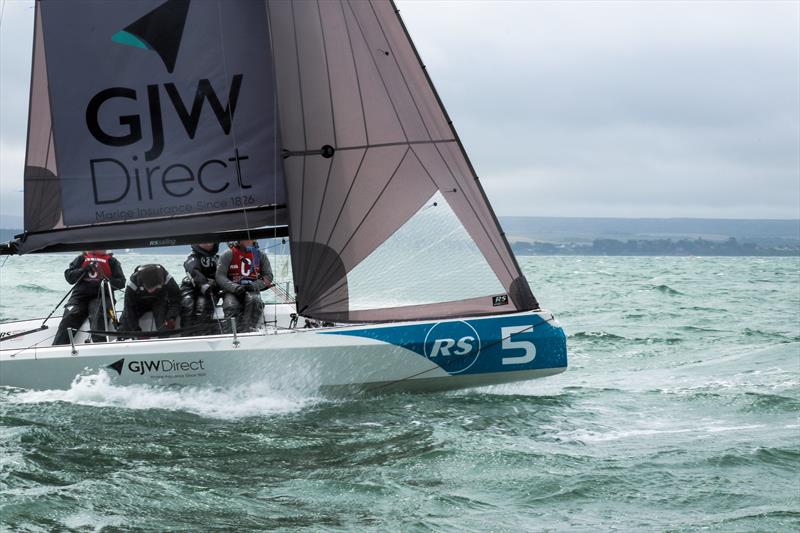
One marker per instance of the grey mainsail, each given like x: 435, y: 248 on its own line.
x: 366, y: 144
x: 150, y: 122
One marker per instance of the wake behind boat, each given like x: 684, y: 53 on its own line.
x: 312, y: 121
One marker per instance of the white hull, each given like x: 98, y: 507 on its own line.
x: 385, y: 357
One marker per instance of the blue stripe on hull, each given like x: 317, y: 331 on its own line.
x: 479, y: 346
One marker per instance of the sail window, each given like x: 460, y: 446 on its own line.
x: 430, y: 259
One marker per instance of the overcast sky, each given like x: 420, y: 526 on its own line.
x: 629, y: 109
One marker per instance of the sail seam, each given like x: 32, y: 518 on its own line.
x: 303, y: 114
x: 475, y: 213
x: 355, y: 68
x: 327, y: 274
x: 328, y: 72
x: 517, y: 269
x: 400, y: 71
x: 346, y: 198
x: 378, y: 71
x: 335, y: 139
x: 424, y: 124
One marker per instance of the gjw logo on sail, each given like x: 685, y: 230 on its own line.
x: 171, y: 121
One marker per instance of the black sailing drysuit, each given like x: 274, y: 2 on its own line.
x: 199, y: 290
x: 86, y: 299
x: 164, y: 302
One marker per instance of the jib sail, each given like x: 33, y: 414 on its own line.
x: 368, y: 151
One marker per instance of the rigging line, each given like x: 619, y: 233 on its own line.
x: 327, y: 275
x: 34, y: 345
x: 378, y: 70
x: 275, y: 180
x: 395, y: 382
x: 355, y: 69
x: 292, y: 153
x: 303, y: 114
x: 229, y: 109
x: 5, y: 260
x: 2, y: 11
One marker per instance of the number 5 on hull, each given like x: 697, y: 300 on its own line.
x: 508, y: 344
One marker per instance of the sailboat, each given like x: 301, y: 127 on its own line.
x: 156, y: 123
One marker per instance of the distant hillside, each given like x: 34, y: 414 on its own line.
x: 586, y: 230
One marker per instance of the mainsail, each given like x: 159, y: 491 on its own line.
x: 366, y: 144
x: 163, y: 122
x: 150, y: 123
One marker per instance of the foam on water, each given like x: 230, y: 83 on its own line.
x: 99, y: 390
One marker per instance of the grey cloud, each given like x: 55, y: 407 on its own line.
x: 588, y: 108
x: 687, y: 109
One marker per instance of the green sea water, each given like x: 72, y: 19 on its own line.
x: 679, y: 412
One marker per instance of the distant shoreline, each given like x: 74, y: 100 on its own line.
x: 658, y: 248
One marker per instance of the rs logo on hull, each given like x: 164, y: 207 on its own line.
x: 454, y: 346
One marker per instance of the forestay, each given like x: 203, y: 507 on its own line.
x: 367, y: 145
x: 150, y: 123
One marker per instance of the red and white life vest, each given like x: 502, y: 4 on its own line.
x: 243, y: 266
x: 101, y: 263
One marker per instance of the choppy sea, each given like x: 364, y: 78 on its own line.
x: 679, y: 412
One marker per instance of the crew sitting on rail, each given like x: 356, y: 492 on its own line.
x: 86, y: 272
x: 199, y: 289
x: 151, y: 288
x: 242, y: 273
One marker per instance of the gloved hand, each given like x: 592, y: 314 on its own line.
x: 212, y: 285
x: 89, y: 267
x: 169, y: 323
x: 253, y: 287
x: 268, y: 284
x: 240, y: 291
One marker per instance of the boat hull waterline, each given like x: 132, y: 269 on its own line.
x: 409, y: 356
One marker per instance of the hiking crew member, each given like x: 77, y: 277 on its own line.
x: 151, y: 288
x: 86, y: 272
x: 242, y: 273
x: 199, y: 289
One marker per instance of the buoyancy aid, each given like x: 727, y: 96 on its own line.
x: 101, y: 263
x: 244, y: 265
